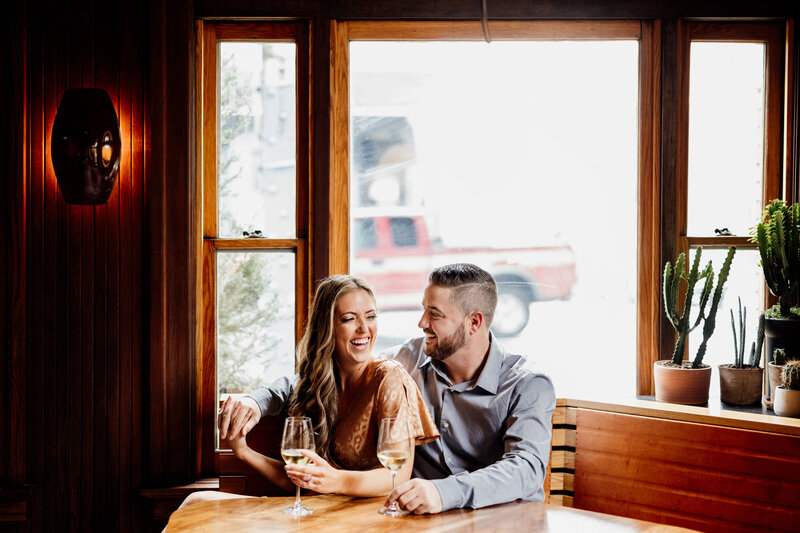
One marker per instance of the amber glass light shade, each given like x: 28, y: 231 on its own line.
x: 85, y: 146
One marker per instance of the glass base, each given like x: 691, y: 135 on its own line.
x: 297, y: 510
x: 392, y: 511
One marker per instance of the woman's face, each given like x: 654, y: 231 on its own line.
x: 355, y: 327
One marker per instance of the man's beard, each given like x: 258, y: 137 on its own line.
x: 445, y: 347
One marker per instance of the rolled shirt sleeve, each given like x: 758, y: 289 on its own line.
x: 272, y: 400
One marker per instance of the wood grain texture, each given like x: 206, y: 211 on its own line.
x: 85, y: 403
x: 507, y: 9
x: 340, y: 513
x: 338, y: 231
x: 668, y: 149
x: 713, y: 415
x: 500, y: 30
x: 648, y: 301
x: 790, y: 169
x: 686, y: 474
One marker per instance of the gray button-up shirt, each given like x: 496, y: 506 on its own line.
x: 495, y: 431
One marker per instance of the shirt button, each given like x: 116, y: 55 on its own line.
x: 446, y: 425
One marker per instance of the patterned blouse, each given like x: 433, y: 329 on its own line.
x: 388, y: 392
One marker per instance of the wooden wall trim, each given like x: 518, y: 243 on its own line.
x: 649, y: 219
x: 791, y: 156
x: 668, y: 242
x: 170, y: 197
x: 338, y: 188
x: 500, y: 30
x: 712, y: 415
x: 319, y: 151
x: 505, y: 9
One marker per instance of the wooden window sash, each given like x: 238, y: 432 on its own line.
x: 209, y: 36
x: 776, y: 180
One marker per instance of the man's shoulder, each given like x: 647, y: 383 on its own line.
x: 409, y: 353
x: 530, y: 383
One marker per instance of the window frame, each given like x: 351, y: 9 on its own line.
x: 776, y: 180
x: 210, y: 34
x: 649, y: 173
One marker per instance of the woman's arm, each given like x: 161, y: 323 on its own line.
x: 323, y: 478
x: 270, y: 468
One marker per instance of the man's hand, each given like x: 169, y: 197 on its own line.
x: 418, y: 496
x: 238, y: 417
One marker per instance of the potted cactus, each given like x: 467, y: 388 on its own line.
x: 688, y: 382
x: 775, y: 371
x: 740, y: 383
x: 778, y: 238
x: 787, y: 395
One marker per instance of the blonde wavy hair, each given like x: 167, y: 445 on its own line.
x: 317, y: 392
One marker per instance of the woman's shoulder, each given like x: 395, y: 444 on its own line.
x: 388, y: 369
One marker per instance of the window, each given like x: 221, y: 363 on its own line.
x: 523, y: 156
x: 255, y: 208
x: 733, y: 95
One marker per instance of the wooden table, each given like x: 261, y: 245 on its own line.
x: 344, y: 513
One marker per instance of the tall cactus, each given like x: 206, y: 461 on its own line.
x: 755, y: 349
x: 739, y: 342
x: 778, y: 238
x: 682, y: 322
x: 711, y: 320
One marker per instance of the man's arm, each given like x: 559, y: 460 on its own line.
x: 520, y: 472
x: 262, y: 401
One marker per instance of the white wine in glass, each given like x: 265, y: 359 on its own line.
x: 297, y: 435
x: 394, y: 450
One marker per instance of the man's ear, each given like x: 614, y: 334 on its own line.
x: 475, y: 322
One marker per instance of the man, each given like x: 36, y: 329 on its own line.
x: 494, y: 416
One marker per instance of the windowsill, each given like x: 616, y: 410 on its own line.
x: 715, y: 413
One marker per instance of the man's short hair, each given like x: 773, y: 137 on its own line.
x: 473, y: 288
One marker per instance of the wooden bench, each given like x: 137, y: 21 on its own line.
x: 693, y: 467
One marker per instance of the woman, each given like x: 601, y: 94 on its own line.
x: 345, y: 391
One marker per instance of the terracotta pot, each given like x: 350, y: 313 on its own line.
x: 740, y: 386
x: 787, y: 402
x: 681, y: 385
x: 774, y: 375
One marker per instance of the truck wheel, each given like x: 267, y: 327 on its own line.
x: 512, y: 314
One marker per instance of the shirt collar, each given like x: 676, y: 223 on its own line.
x: 489, y: 378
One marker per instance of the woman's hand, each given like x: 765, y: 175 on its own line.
x: 320, y: 477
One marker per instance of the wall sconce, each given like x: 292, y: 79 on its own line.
x: 85, y: 146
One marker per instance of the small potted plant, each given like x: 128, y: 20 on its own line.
x: 787, y: 395
x: 778, y: 238
x: 740, y: 383
x: 775, y: 370
x: 687, y: 382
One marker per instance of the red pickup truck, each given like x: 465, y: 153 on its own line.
x: 395, y: 254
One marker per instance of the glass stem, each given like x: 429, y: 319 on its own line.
x: 393, y: 506
x: 297, y: 498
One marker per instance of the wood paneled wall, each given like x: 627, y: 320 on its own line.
x: 86, y: 270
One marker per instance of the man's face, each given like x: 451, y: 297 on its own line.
x: 443, y: 323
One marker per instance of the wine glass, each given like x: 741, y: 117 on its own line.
x: 297, y: 436
x: 394, y: 449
